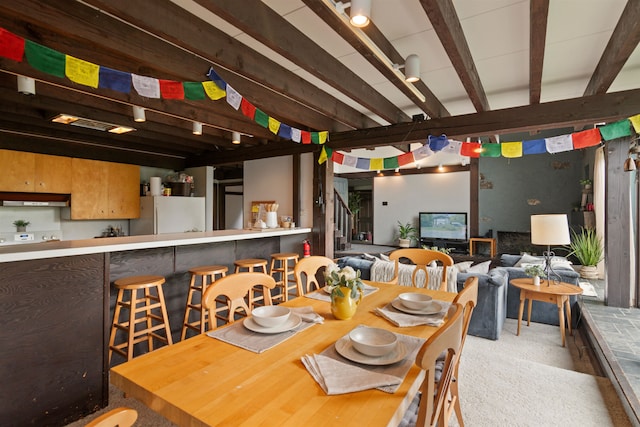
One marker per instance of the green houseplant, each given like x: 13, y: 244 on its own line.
x: 536, y: 271
x: 406, y: 232
x: 586, y: 246
x: 21, y: 224
x: 346, y: 289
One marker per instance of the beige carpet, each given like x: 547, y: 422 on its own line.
x: 517, y: 381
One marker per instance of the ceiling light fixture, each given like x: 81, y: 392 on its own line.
x: 197, y: 128
x: 121, y: 129
x: 440, y: 168
x: 138, y: 114
x: 26, y: 85
x: 360, y: 12
x: 235, y: 137
x: 68, y: 119
x: 338, y: 8
x: 411, y: 68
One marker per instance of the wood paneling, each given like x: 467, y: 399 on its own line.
x: 17, y: 170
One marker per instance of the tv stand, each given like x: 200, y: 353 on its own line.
x: 456, y: 246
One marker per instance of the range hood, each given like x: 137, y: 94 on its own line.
x: 34, y: 199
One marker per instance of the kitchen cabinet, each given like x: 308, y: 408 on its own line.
x: 31, y: 172
x: 104, y: 190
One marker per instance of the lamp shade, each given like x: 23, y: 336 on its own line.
x: 550, y: 229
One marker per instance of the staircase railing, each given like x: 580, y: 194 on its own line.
x: 343, y: 223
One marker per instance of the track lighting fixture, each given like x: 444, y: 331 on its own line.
x: 235, y: 137
x: 360, y: 12
x: 197, y: 128
x: 139, y: 114
x: 26, y: 85
x: 411, y: 68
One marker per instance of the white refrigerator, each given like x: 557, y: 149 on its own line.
x: 169, y: 214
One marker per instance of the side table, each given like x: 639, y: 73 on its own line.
x: 551, y: 292
x: 491, y: 241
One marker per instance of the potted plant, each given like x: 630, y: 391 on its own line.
x: 536, y: 271
x: 586, y: 183
x: 21, y: 224
x: 407, y: 232
x: 346, y: 289
x: 586, y: 246
x: 439, y: 249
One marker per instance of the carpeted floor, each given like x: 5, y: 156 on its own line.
x: 517, y: 381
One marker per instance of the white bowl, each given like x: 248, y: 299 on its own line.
x: 373, y: 341
x: 270, y: 316
x: 415, y: 300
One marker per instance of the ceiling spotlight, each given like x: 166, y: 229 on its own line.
x: 139, y: 114
x: 397, y: 170
x: 360, y: 12
x: 440, y: 168
x: 197, y: 128
x: 26, y: 85
x: 235, y: 137
x: 412, y: 68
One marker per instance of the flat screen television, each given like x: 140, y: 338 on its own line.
x: 443, y: 226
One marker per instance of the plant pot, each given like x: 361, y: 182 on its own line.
x: 536, y: 280
x: 404, y: 243
x: 589, y: 272
x: 21, y: 228
x: 344, y: 308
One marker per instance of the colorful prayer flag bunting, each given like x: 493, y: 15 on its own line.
x: 170, y: 89
x: 44, y: 59
x: 11, y: 45
x: 586, y: 138
x: 146, y: 86
x: 615, y: 130
x: 82, y: 72
x: 115, y: 80
x: 511, y: 149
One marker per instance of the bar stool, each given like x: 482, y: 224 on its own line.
x: 280, y: 264
x: 149, y: 302
x: 207, y: 275
x: 252, y: 265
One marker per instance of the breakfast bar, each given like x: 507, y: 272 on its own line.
x: 56, y: 307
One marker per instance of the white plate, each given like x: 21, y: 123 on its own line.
x: 344, y: 347
x: 292, y: 322
x: 433, y: 308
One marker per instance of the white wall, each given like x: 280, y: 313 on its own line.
x: 407, y: 195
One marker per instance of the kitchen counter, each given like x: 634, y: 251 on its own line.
x: 63, y: 248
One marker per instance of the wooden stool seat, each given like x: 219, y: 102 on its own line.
x: 252, y: 265
x: 280, y: 265
x: 145, y: 304
x: 207, y: 275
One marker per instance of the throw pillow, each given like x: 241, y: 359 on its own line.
x: 462, y: 267
x: 528, y: 259
x: 369, y: 257
x: 560, y: 262
x: 481, y: 268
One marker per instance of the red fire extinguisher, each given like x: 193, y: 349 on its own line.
x: 306, y: 248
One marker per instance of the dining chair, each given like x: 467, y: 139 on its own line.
x: 235, y: 288
x: 121, y: 417
x: 448, y: 340
x: 309, y: 267
x: 468, y: 299
x: 421, y: 258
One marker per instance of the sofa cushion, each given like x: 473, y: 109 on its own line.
x: 480, y: 268
x: 527, y: 259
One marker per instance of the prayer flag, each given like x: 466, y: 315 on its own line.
x: 247, y: 108
x: 489, y: 149
x: 261, y: 118
x: 337, y: 157
x: 405, y: 159
x: 296, y: 135
x: 437, y: 143
x: 193, y: 91
x: 315, y: 138
x: 323, y: 136
x: 115, y: 80
x: 635, y: 121
x: 558, y: 144
x: 363, y: 163
x: 391, y: 162
x: 82, y: 72
x: 171, y: 89
x: 274, y: 125
x: 616, y: 130
x: 511, y: 149
x: 284, y: 131
x: 146, y: 86
x: 471, y: 149
x: 11, y: 45
x: 534, y: 146
x: 422, y: 152
x: 213, y: 91
x: 306, y: 137
x: 376, y: 164
x: 214, y: 77
x: 233, y: 97
x: 324, y: 155
x: 586, y: 138
x: 351, y: 161
x: 452, y: 147
x: 44, y: 59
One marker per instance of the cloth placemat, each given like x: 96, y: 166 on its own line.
x: 321, y: 295
x: 236, y: 334
x: 402, y: 319
x: 332, y: 374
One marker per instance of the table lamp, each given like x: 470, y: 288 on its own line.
x: 550, y: 230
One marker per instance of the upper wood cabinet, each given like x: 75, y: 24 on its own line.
x: 103, y: 190
x: 31, y: 172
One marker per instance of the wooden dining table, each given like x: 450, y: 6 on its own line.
x: 202, y: 381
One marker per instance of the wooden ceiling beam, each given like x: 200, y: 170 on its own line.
x: 432, y: 105
x: 538, y: 14
x: 259, y: 152
x: 623, y: 42
x: 263, y: 24
x: 187, y: 32
x: 565, y: 113
x: 444, y: 19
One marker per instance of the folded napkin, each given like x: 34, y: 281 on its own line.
x: 336, y: 377
x: 403, y: 319
x: 321, y: 295
x: 307, y: 314
x: 236, y: 334
x: 346, y: 376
